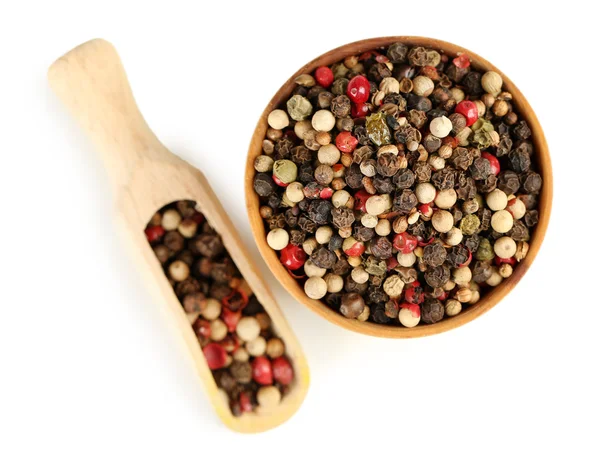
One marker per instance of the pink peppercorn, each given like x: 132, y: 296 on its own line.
x: 215, y: 355
x: 282, y: 371
x: 359, y: 109
x: 230, y: 318
x: 245, y: 403
x: 462, y: 61
x: 499, y: 261
x: 262, y: 372
x: 412, y: 295
x: 154, y: 233
x: 359, y: 89
x: 494, y: 163
x: 326, y: 193
x: 468, y: 262
x: 279, y: 182
x: 346, y: 142
x: 356, y: 249
x: 360, y: 200
x: 405, y: 243
x: 292, y: 257
x: 469, y: 110
x: 324, y: 76
x: 391, y: 263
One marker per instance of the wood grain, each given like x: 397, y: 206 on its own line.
x: 541, y: 157
x: 91, y: 82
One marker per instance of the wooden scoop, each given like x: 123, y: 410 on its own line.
x: 91, y: 82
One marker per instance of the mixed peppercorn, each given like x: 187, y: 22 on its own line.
x: 398, y: 185
x: 241, y: 348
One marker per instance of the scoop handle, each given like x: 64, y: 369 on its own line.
x: 91, y: 81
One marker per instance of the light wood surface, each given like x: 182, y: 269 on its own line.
x: 91, y: 82
x: 491, y: 298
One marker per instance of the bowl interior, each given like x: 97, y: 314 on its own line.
x: 491, y: 297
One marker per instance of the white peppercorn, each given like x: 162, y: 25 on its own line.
x: 454, y: 236
x: 340, y: 198
x: 315, y: 287
x: 294, y: 192
x: 516, y: 208
x: 440, y: 126
x: 275, y: 348
x: 475, y: 296
x: 187, y: 228
x: 422, y: 86
x: 170, y: 220
x: 257, y: 346
x: 505, y: 247
x: 328, y: 154
x: 425, y: 192
x: 369, y: 220
x: 302, y: 127
x: 505, y: 270
x: 359, y: 275
x: 502, y: 221
x: 278, y: 119
x: 335, y: 283
x: 309, y: 245
x: 491, y: 82
x: 383, y: 227
x: 364, y: 315
x: 179, y: 270
x: 218, y: 330
x: 389, y: 85
x: 445, y: 198
x: 323, y: 234
x: 313, y: 270
x: 323, y: 120
x: 248, y: 329
x: 278, y: 238
x: 406, y: 260
x: 268, y: 397
x: 409, y: 318
x: 376, y: 205
x: 453, y: 307
x: 495, y: 279
x: 462, y: 275
x: 241, y: 355
x: 496, y: 200
x: 437, y: 162
x: 354, y: 261
x: 212, y: 309
x: 393, y: 286
x: 263, y: 163
x: 464, y: 295
x: 457, y: 94
x: 442, y: 221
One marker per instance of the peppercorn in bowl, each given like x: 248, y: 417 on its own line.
x: 399, y: 186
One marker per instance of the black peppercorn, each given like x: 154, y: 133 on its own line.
x: 438, y: 276
x: 323, y: 258
x: 432, y: 310
x: 434, y: 254
x: 352, y: 305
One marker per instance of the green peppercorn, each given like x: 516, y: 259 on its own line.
x: 377, y: 129
x: 299, y: 107
x: 285, y: 170
x: 469, y: 224
x: 485, y: 251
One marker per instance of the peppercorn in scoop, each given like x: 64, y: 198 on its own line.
x: 398, y: 186
x: 241, y: 348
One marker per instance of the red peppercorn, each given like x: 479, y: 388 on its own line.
x: 230, y: 318
x: 391, y: 263
x: 202, y: 328
x: 359, y: 109
x: 360, y: 200
x: 468, y: 262
x: 236, y: 297
x: 356, y: 250
x: 499, y: 261
x: 451, y: 141
x: 154, y: 233
x: 230, y: 343
x: 443, y: 296
x: 346, y: 142
x: 414, y: 295
x: 405, y: 243
x: 414, y: 308
x: 282, y: 371
x: 198, y: 218
x: 494, y: 163
x: 215, y: 355
x: 426, y: 209
x: 262, y: 372
x: 381, y: 58
x: 245, y: 403
x: 462, y: 61
x: 292, y: 257
x: 324, y: 76
x: 422, y: 242
x: 469, y: 110
x: 359, y: 89
x: 366, y: 55
x: 278, y: 182
x: 326, y: 193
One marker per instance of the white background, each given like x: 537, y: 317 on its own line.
x: 92, y: 374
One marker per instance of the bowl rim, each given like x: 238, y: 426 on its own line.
x: 489, y: 300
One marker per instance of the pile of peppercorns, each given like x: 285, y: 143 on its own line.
x: 398, y: 185
x: 246, y: 357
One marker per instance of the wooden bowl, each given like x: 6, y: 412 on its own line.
x: 492, y: 297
